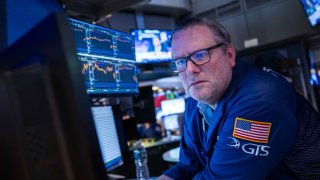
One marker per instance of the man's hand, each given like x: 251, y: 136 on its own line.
x: 164, y: 177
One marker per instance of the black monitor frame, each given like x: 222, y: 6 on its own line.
x: 117, y: 114
x: 47, y: 130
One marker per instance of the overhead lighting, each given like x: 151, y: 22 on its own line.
x: 102, y: 19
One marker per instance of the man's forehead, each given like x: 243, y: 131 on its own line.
x: 190, y: 40
x: 194, y: 32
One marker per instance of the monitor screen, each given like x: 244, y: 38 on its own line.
x: 107, y: 135
x: 172, y: 106
x: 107, y: 58
x: 152, y: 46
x: 312, y: 10
x: 149, y: 130
x: 171, y: 122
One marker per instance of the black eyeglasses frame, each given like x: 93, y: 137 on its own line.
x: 188, y: 58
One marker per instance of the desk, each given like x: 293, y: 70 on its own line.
x: 163, y: 141
x: 172, y: 155
x: 155, y: 151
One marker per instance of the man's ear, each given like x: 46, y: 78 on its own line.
x: 231, y: 55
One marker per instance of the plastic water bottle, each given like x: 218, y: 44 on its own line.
x: 140, y: 159
x: 168, y: 132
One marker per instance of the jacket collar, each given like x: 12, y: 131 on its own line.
x: 238, y: 74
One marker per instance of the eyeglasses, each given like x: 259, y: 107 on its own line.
x: 198, y: 58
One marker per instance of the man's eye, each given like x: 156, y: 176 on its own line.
x: 180, y: 62
x: 200, y: 55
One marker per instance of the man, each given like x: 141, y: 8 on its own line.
x: 158, y: 46
x: 240, y: 122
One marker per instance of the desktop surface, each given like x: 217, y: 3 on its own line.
x: 155, y: 151
x: 152, y: 142
x: 172, y: 155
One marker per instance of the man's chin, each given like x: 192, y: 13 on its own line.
x: 199, y: 98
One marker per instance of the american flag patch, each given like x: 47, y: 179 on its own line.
x: 251, y: 130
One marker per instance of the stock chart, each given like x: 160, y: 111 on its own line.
x: 107, y: 58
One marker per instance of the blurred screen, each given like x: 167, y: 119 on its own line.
x: 312, y: 10
x: 172, y: 106
x: 152, y: 46
x: 171, y: 122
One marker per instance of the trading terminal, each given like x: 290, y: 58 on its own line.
x: 77, y: 93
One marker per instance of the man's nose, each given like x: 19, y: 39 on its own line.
x: 192, y: 67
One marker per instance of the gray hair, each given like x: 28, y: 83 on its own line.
x: 218, y: 30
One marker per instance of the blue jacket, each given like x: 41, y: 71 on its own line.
x: 260, y: 129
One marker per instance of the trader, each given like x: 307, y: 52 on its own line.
x: 240, y: 122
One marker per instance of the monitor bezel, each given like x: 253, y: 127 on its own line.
x: 49, y: 46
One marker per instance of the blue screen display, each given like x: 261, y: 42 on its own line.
x: 152, y: 46
x: 107, y: 58
x: 312, y: 10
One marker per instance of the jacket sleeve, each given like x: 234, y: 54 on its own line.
x: 236, y: 157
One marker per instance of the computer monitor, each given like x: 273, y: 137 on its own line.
x: 108, y: 136
x: 171, y: 122
x: 172, y: 106
x: 46, y: 126
x: 149, y: 130
x: 152, y: 46
x: 312, y: 11
x: 107, y: 59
